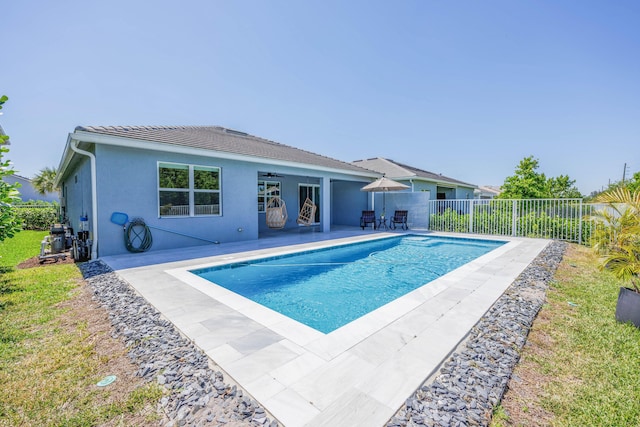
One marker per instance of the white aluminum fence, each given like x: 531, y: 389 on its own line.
x: 562, y: 219
x: 184, y: 210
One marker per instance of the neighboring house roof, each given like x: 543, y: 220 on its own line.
x: 396, y: 170
x: 27, y: 191
x: 22, y: 179
x: 488, y: 190
x: 219, y: 139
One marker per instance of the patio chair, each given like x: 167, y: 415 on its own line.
x: 368, y: 217
x: 307, y: 213
x: 399, y: 217
x: 276, y: 213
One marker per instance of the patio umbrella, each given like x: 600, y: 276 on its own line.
x: 382, y: 185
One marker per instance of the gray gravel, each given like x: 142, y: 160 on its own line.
x: 474, y: 378
x: 196, y: 394
x: 470, y: 383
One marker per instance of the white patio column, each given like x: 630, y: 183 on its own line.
x: 325, y: 206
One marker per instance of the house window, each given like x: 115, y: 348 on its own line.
x: 206, y: 189
x: 266, y: 191
x: 188, y: 190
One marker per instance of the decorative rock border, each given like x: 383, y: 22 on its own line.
x: 196, y: 394
x: 474, y: 378
x: 470, y: 383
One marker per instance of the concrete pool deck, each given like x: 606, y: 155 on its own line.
x: 359, y: 374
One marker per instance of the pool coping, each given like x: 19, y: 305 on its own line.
x: 359, y: 374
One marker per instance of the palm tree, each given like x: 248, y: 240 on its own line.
x: 617, y: 234
x: 621, y: 195
x: 44, y: 181
x: 624, y: 263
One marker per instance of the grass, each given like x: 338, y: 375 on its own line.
x: 23, y: 246
x: 50, y: 358
x: 588, y: 364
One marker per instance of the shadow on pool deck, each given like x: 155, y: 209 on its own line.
x: 266, y: 240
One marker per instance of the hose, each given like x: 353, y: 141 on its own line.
x: 137, y: 236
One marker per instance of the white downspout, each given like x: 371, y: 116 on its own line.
x: 412, y: 188
x: 94, y: 199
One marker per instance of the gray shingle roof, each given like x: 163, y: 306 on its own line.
x: 431, y: 175
x: 395, y: 170
x: 220, y: 139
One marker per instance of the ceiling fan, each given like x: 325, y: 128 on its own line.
x: 270, y: 175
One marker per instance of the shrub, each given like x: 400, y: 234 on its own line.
x: 37, y: 218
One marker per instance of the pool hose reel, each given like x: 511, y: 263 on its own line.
x: 137, y: 235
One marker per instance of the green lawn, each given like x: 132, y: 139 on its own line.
x: 49, y: 363
x: 590, y: 362
x: 24, y: 245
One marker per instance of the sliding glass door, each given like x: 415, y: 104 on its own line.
x: 311, y: 191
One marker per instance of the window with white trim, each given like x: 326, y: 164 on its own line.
x: 266, y: 191
x: 188, y: 190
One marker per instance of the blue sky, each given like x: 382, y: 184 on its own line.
x: 462, y: 88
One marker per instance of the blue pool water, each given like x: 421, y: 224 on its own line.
x: 328, y: 288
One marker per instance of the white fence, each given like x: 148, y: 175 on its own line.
x: 184, y: 210
x: 562, y: 219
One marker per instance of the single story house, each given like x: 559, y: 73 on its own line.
x: 197, y: 184
x: 438, y: 185
x: 27, y: 190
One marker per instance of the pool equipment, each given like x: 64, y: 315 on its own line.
x: 55, y: 244
x: 60, y: 241
x: 81, y: 246
x: 84, y: 223
x: 137, y: 236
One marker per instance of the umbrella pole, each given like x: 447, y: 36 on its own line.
x: 384, y: 203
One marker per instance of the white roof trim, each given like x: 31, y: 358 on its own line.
x: 440, y: 183
x: 95, y: 138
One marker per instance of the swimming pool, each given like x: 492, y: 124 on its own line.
x: 330, y: 287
